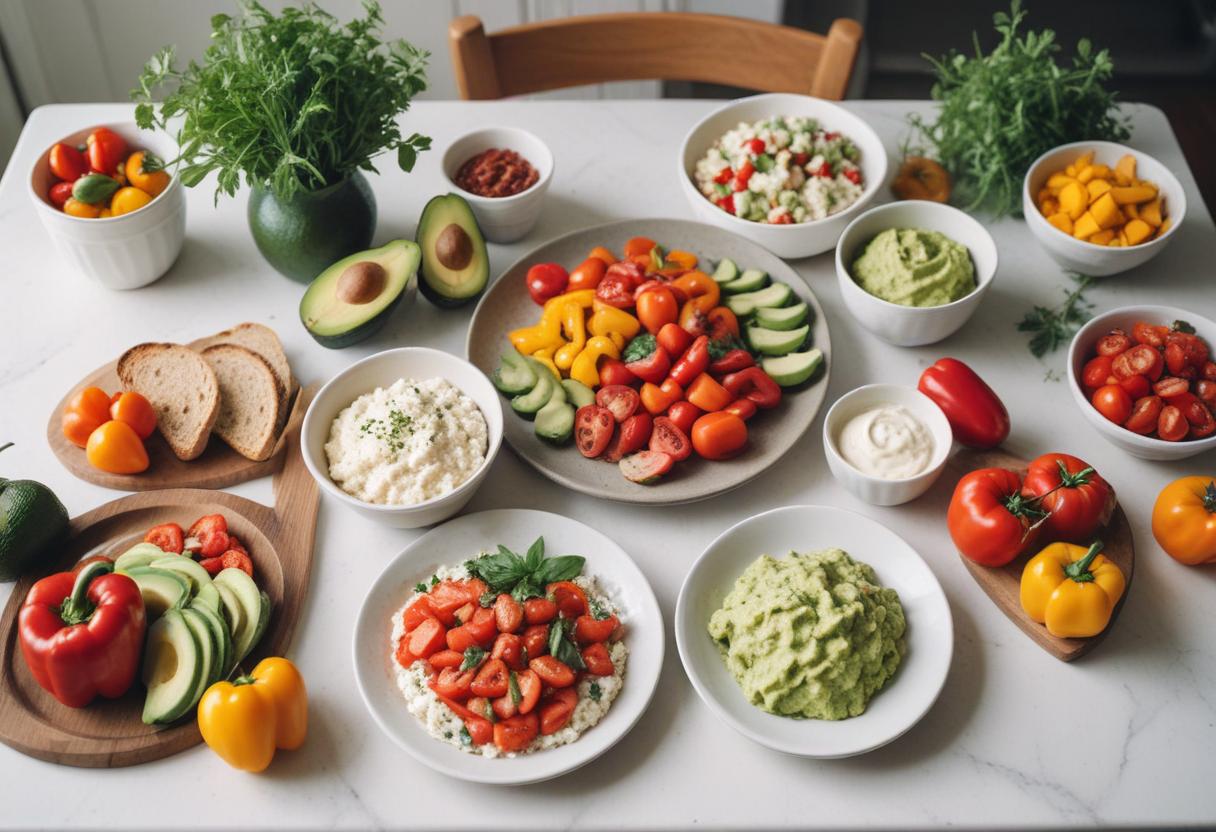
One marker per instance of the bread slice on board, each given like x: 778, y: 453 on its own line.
x: 250, y: 400
x: 181, y: 387
x: 265, y: 342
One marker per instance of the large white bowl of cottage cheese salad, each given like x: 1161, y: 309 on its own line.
x: 508, y: 646
x: 787, y: 171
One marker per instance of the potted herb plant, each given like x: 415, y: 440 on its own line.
x: 297, y: 105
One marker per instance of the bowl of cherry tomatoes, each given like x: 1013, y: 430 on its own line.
x: 110, y: 204
x: 1145, y: 378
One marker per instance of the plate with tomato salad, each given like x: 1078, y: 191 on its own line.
x: 559, y: 652
x: 670, y: 440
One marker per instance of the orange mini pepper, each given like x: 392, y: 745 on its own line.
x: 656, y: 398
x: 116, y: 448
x: 136, y: 411
x: 86, y: 412
x: 707, y: 394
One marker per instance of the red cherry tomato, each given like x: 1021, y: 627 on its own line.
x: 587, y: 275
x: 1097, y: 372
x: 1136, y: 386
x: 631, y: 436
x: 667, y: 438
x: 1172, y: 426
x: 1169, y: 386
x: 656, y: 308
x: 621, y: 401
x: 1114, y: 343
x: 1144, y: 415
x: 1113, y: 402
x: 67, y: 163
x: 683, y: 415
x: 593, y: 428
x: 545, y: 281
x: 106, y: 150
x: 976, y: 414
x: 653, y: 368
x: 60, y: 193
x: 614, y: 371
x: 1153, y: 336
x: 1139, y: 360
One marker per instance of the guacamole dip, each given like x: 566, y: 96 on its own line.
x: 810, y: 635
x: 912, y: 267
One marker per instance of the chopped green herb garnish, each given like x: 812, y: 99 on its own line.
x: 420, y: 587
x: 466, y: 738
x: 594, y: 692
x: 1050, y: 327
x: 473, y: 657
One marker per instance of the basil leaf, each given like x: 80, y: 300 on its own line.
x: 536, y: 554
x: 487, y: 599
x: 501, y: 571
x: 561, y: 568
x: 526, y: 589
x: 513, y: 688
x: 472, y: 658
x: 561, y: 647
x: 420, y: 587
x: 594, y: 692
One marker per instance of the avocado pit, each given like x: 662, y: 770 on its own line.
x: 361, y: 283
x: 453, y: 248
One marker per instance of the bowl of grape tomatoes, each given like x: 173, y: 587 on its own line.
x: 1145, y: 378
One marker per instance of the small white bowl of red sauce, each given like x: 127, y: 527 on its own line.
x: 503, y: 173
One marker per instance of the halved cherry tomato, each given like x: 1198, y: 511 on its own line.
x: 708, y: 394
x: 491, y: 680
x: 570, y: 599
x: 1139, y: 360
x: 1097, y: 372
x: 1183, y: 350
x: 1206, y: 391
x: 510, y: 648
x: 657, y: 308
x: 692, y: 363
x: 632, y: 435
x: 480, y: 705
x: 418, y: 611
x: 552, y: 672
x: 168, y: 537
x: 1113, y: 343
x: 1203, y: 422
x: 556, y: 710
x: 1169, y: 386
x: 743, y: 408
x: 427, y: 639
x: 616, y: 289
x: 106, y: 150
x: 1146, y: 333
x: 1113, y: 402
x: 1145, y: 412
x: 1208, y: 373
x: 535, y: 638
x: 446, y: 658
x: 508, y: 613
x: 598, y: 660
x: 136, y: 411
x: 403, y: 654
x: 755, y: 385
x: 1136, y: 386
x: 516, y: 733
x: 588, y: 629
x: 637, y: 246
x: 481, y: 731
x: 655, y: 283
x: 683, y: 414
x: 530, y: 686
x: 539, y: 611
x: 601, y: 253
x: 60, y: 193
x: 504, y: 706
x: 619, y: 400
x: 719, y: 435
x: 587, y: 275
x: 593, y: 429
x: 67, y: 163
x: 674, y: 340
x: 614, y: 371
x: 1172, y: 426
x: 645, y: 467
x: 232, y: 559
x: 545, y: 281
x: 211, y: 532
x: 656, y: 398
x: 668, y: 438
x: 653, y: 368
x: 86, y: 412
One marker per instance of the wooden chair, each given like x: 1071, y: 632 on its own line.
x: 591, y: 49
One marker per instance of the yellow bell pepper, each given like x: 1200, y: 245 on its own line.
x: 545, y: 335
x: 545, y: 357
x: 575, y: 328
x: 618, y: 339
x: 1072, y: 590
x: 586, y: 365
x: 606, y: 320
x: 244, y: 721
x: 555, y: 304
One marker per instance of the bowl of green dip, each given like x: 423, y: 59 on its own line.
x: 814, y: 631
x: 913, y: 272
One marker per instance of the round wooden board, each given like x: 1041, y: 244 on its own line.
x: 772, y: 434
x: 1003, y: 584
x: 110, y: 733
x: 218, y: 467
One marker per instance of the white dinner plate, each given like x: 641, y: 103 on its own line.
x: 457, y: 541
x: 895, y: 708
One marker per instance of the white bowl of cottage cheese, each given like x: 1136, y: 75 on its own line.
x: 404, y: 437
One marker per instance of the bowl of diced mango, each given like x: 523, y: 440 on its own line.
x: 1101, y: 208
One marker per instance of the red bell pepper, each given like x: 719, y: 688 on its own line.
x: 694, y: 362
x: 755, y: 385
x: 82, y: 634
x: 976, y: 414
x: 653, y: 368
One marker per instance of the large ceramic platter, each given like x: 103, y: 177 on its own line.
x: 458, y: 540
x: 907, y: 696
x: 772, y: 434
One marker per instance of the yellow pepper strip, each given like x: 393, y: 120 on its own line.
x: 547, y: 333
x: 246, y: 720
x: 618, y: 339
x: 554, y: 306
x: 545, y: 357
x: 575, y: 327
x: 1072, y: 590
x: 585, y: 367
x: 607, y: 319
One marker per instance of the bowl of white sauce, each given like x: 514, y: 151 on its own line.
x: 886, y: 444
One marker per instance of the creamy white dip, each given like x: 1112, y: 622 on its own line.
x: 408, y: 443
x: 886, y: 442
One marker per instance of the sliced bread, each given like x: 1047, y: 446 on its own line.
x: 181, y: 387
x: 265, y: 342
x: 250, y: 400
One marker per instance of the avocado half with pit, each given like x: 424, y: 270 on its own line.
x: 353, y: 298
x: 455, y: 267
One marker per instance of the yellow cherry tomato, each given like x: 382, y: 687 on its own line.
x: 116, y: 448
x: 128, y: 199
x: 75, y: 208
x: 149, y: 181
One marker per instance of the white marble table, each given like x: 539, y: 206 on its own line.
x: 1125, y: 737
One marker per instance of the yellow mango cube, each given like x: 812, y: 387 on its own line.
x: 1102, y: 172
x: 1049, y: 206
x: 1085, y: 174
x: 1084, y: 160
x: 1074, y: 199
x: 1125, y: 170
x: 1070, y: 171
x: 1044, y: 193
x: 1137, y: 232
x: 1057, y: 181
x: 1096, y: 188
x: 1105, y: 212
x: 1116, y: 242
x: 1103, y: 238
x: 1085, y: 226
x: 1150, y: 212
x: 1130, y: 211
x: 1164, y: 227
x: 1061, y: 221
x: 1123, y: 194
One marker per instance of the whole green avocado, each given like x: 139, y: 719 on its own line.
x: 31, y: 520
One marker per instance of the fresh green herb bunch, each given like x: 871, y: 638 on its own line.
x: 1001, y: 111
x: 296, y: 102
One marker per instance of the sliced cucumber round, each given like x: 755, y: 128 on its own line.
x: 514, y: 374
x: 793, y: 369
x: 782, y: 317
x: 776, y: 342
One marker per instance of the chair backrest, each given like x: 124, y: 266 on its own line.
x: 668, y: 46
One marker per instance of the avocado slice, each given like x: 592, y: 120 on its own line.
x: 208, y: 596
x: 455, y: 266
x: 208, y: 650
x: 792, y: 369
x: 255, y: 607
x: 188, y: 568
x: 353, y: 298
x: 172, y: 666
x: 141, y: 554
x: 162, y: 590
x: 223, y: 639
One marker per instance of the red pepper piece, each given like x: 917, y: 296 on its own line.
x: 694, y: 362
x: 755, y: 385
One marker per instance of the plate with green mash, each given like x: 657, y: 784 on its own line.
x: 814, y: 631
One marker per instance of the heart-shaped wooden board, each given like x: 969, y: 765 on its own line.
x: 109, y: 733
x: 218, y: 467
x: 1003, y: 584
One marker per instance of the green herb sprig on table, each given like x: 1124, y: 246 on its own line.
x: 1052, y: 326
x: 524, y: 577
x: 296, y: 102
x: 1002, y: 110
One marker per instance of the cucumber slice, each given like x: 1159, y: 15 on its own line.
x: 514, y: 374
x: 751, y: 280
x: 555, y: 422
x: 529, y: 403
x: 577, y: 393
x: 793, y: 369
x: 172, y: 666
x: 726, y: 271
x: 778, y: 294
x: 782, y: 317
x: 775, y: 342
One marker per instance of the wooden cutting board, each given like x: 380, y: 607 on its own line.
x: 218, y: 467
x: 110, y: 733
x: 1003, y: 584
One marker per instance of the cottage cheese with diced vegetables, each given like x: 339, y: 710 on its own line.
x: 781, y: 170
x: 407, y: 443
x: 595, y: 693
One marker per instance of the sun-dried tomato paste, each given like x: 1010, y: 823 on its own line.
x: 496, y: 173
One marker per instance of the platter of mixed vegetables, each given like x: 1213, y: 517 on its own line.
x: 661, y: 347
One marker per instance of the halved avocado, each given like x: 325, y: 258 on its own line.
x: 455, y: 266
x: 354, y: 297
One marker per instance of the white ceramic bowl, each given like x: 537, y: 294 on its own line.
x: 875, y: 490
x: 1090, y: 258
x: 124, y: 252
x: 381, y: 370
x: 462, y: 538
x: 787, y: 241
x: 907, y: 696
x: 911, y: 326
x: 502, y: 219
x: 1084, y: 347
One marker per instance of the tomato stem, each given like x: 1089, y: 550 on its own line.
x: 1076, y: 480
x: 1209, y: 496
x: 1078, y: 570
